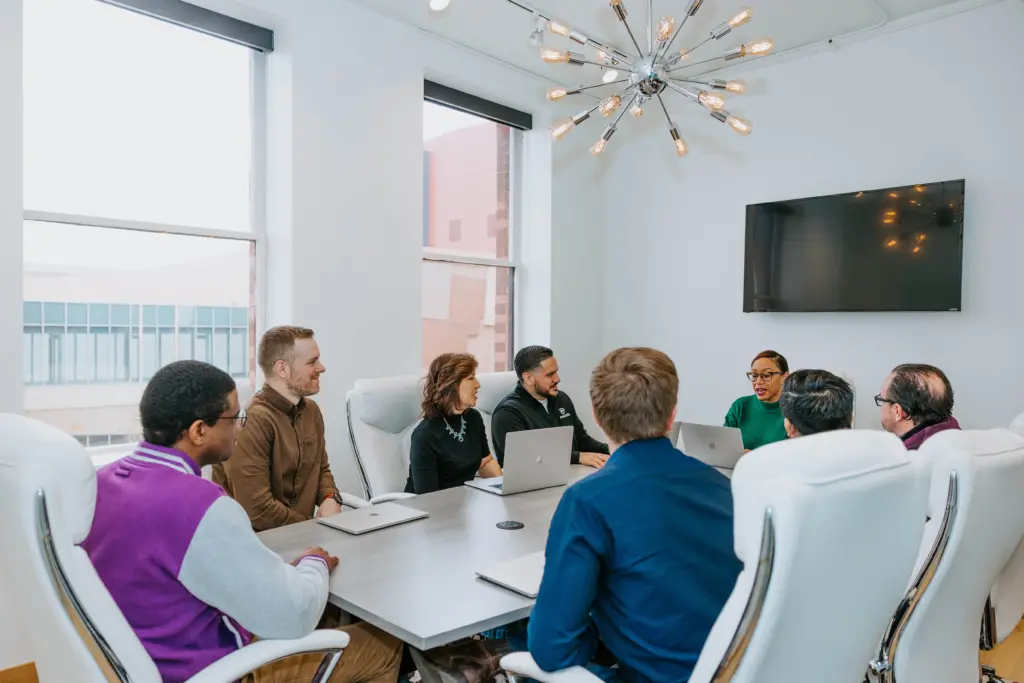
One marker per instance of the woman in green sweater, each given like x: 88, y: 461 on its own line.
x: 758, y: 416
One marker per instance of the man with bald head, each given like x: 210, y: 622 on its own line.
x: 916, y: 403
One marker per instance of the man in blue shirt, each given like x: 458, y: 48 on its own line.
x: 640, y: 554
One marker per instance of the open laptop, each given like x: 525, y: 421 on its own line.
x: 720, y: 447
x: 534, y: 459
x: 522, y: 575
x: 365, y: 520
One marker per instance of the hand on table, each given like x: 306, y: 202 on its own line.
x: 595, y: 460
x: 328, y: 507
x: 331, y: 560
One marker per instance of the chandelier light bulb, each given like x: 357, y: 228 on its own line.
x: 554, y: 56
x: 681, y: 148
x: 560, y: 29
x: 560, y: 129
x: 665, y: 28
x: 610, y: 105
x: 711, y: 101
x: 737, y: 86
x: 741, y: 17
x: 609, y: 75
x: 439, y: 5
x: 555, y: 94
x: 599, y: 146
x: 637, y: 111
x: 759, y: 48
x: 741, y: 126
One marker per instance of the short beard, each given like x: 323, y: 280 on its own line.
x: 546, y: 394
x: 301, y: 389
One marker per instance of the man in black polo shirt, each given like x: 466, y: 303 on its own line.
x: 537, y: 403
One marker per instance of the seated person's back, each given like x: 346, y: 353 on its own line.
x: 640, y: 554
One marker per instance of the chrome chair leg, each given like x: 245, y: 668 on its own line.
x: 989, y: 675
x: 323, y: 673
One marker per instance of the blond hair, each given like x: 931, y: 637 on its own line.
x: 278, y: 344
x: 634, y: 391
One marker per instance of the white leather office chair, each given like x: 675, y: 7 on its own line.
x: 1017, y: 426
x: 977, y: 521
x: 382, y: 413
x: 74, y: 628
x: 827, y: 527
x: 381, y: 416
x: 494, y: 386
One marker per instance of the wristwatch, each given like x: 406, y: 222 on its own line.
x: 337, y: 499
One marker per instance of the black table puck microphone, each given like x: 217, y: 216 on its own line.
x: 512, y: 526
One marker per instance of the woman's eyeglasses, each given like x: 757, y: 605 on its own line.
x: 766, y: 376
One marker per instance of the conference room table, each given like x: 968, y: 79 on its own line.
x: 417, y: 580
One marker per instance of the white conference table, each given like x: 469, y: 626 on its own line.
x: 417, y: 581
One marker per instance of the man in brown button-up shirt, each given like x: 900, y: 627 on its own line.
x: 279, y: 471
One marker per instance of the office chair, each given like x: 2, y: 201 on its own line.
x: 975, y: 527
x: 827, y: 527
x: 73, y: 626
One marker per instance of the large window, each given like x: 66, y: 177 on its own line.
x: 141, y: 239
x: 468, y: 274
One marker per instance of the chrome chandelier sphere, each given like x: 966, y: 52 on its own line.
x: 650, y: 72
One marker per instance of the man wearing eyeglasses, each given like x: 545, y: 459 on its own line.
x: 916, y: 403
x: 180, y: 558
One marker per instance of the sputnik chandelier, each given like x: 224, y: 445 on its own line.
x: 650, y: 72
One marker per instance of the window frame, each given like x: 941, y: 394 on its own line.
x: 517, y: 123
x: 256, y: 236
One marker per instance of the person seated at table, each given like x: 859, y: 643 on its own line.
x: 537, y: 403
x: 916, y: 403
x: 449, y: 447
x: 180, y: 557
x: 815, y: 401
x: 640, y: 554
x: 758, y: 416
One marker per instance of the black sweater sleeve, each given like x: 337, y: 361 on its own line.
x: 423, y: 463
x: 503, y: 421
x: 583, y: 440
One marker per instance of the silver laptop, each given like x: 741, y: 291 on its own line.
x: 534, y: 459
x: 720, y: 447
x: 365, y: 520
x: 522, y: 575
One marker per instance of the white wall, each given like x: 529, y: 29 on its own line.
x: 936, y: 102
x: 12, y: 649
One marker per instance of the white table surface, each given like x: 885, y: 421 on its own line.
x: 417, y: 581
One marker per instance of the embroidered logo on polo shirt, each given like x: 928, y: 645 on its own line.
x: 564, y: 414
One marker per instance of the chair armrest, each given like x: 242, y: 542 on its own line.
x: 352, y: 501
x: 385, y: 497
x: 241, y: 662
x: 522, y: 664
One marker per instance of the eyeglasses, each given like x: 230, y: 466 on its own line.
x: 240, y: 417
x: 881, y: 401
x: 766, y: 376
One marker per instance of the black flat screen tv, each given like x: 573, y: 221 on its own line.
x: 897, y: 249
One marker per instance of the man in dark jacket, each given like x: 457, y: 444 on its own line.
x: 916, y: 403
x: 537, y: 403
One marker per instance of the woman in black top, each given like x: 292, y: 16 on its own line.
x: 449, y: 447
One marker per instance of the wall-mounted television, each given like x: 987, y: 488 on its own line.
x: 897, y: 249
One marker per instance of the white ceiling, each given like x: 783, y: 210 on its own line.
x: 501, y: 30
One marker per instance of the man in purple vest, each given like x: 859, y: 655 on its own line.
x: 916, y: 403
x: 180, y: 557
